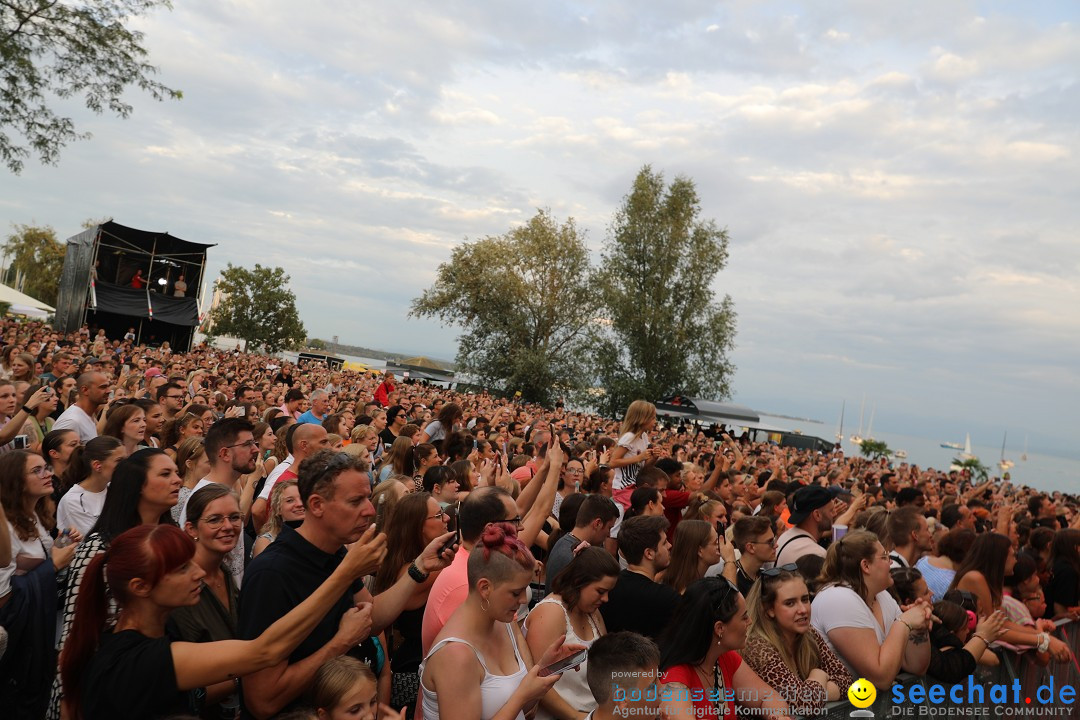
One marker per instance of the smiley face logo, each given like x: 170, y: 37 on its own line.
x: 862, y: 693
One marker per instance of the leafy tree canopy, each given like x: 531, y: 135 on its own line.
x: 35, y: 259
x: 874, y: 449
x: 527, y: 304
x: 259, y: 308
x: 59, y: 50
x: 667, y: 333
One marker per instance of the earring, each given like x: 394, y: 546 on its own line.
x: 485, y: 609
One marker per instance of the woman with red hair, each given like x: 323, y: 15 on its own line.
x: 136, y: 671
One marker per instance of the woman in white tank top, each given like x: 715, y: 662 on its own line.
x: 480, y: 666
x: 572, y: 610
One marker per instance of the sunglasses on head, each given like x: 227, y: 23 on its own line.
x: 774, y: 571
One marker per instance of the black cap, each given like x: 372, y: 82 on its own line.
x: 807, y: 500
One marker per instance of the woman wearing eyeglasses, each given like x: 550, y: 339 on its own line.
x: 784, y: 649
x: 28, y: 585
x: 214, y: 522
x: 861, y: 621
x: 415, y: 521
x: 703, y: 674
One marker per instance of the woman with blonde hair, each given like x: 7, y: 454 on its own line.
x: 23, y: 368
x: 632, y: 451
x: 784, y: 649
x: 285, y: 508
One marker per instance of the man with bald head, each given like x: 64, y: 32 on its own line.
x: 307, y: 439
x: 302, y: 441
x: 93, y: 394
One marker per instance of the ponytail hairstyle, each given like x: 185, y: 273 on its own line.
x: 843, y: 563
x: 640, y: 498
x: 146, y: 552
x: 499, y: 555
x: 422, y: 452
x: 52, y: 441
x: 190, y: 449
x: 96, y: 450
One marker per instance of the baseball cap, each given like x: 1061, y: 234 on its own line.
x: 808, y: 499
x: 152, y: 372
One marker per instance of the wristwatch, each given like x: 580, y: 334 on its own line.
x: 416, y: 573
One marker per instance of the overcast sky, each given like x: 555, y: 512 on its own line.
x: 900, y: 180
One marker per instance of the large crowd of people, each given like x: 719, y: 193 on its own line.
x: 219, y: 534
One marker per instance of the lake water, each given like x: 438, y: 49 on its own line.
x: 1046, y: 472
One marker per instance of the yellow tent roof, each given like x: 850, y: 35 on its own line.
x: 424, y: 362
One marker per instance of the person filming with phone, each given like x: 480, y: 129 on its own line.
x: 480, y: 665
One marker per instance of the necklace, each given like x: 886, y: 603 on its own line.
x: 718, y: 694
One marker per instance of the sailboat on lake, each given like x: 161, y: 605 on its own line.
x: 1003, y: 463
x: 1024, y: 456
x: 857, y: 438
x: 840, y: 430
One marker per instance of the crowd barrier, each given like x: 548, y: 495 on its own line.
x: 1015, y: 666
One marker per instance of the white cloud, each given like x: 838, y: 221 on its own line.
x: 899, y: 181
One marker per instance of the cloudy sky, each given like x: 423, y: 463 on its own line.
x: 900, y: 180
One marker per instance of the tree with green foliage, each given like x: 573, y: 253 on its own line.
x: 973, y: 466
x: 316, y: 344
x: 874, y: 449
x: 34, y: 259
x: 258, y: 307
x: 527, y: 303
x: 667, y: 333
x: 61, y: 50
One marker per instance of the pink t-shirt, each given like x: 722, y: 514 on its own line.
x: 447, y: 593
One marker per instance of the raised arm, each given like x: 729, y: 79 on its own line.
x: 201, y: 664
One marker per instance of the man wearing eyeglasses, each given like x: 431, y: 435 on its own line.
x: 171, y: 399
x: 753, y: 536
x: 232, y: 451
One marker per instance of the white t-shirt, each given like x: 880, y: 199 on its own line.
x: 75, y: 418
x: 272, y: 478
x: 36, y: 547
x: 626, y: 476
x: 235, y: 559
x: 80, y: 509
x: 841, y: 607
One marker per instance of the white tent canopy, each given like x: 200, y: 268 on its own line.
x: 23, y: 304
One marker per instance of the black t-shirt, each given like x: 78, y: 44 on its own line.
x: 638, y: 604
x: 282, y: 577
x: 1064, y: 586
x: 387, y: 438
x: 132, y: 676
